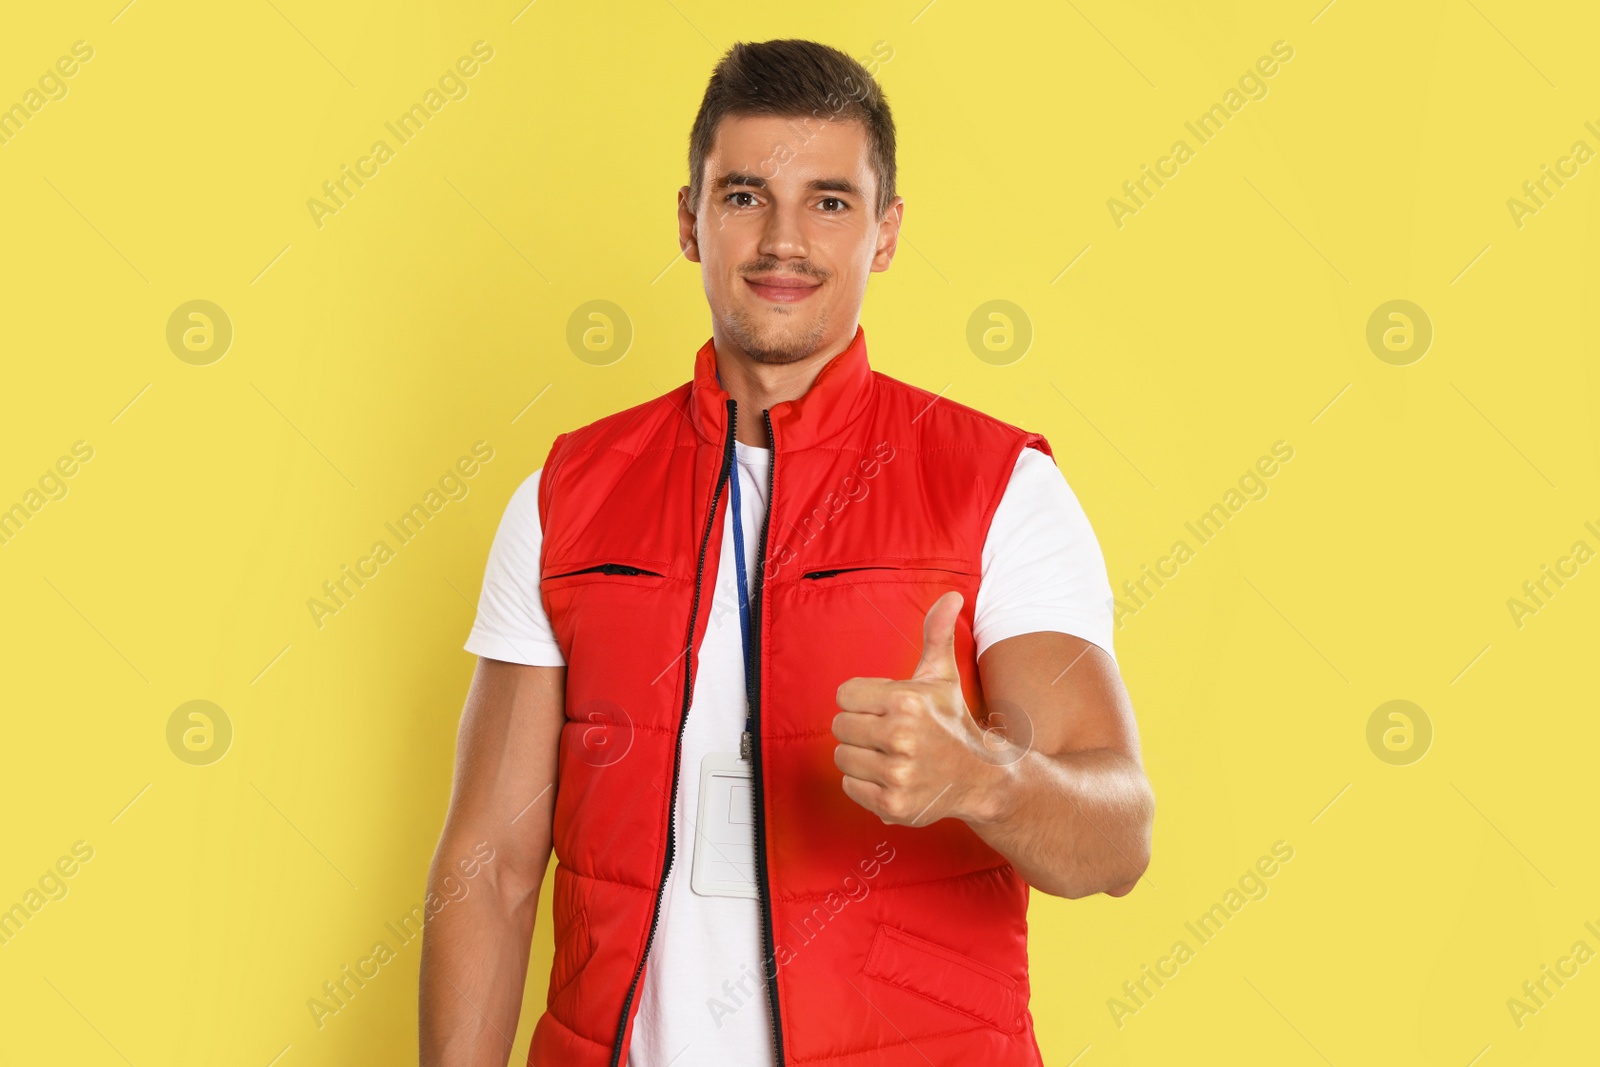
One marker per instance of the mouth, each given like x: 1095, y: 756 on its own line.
x: 782, y: 288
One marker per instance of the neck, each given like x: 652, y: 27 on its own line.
x: 756, y: 386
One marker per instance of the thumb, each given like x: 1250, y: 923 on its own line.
x: 938, y: 663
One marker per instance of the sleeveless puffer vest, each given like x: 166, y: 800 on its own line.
x: 882, y: 944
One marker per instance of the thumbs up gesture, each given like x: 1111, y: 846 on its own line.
x: 910, y: 751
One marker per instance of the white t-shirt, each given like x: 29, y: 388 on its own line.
x: 703, y: 1001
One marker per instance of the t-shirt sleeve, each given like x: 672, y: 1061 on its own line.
x: 511, y: 624
x: 1042, y: 566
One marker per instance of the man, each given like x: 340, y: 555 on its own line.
x: 804, y: 673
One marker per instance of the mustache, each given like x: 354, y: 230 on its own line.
x: 773, y: 268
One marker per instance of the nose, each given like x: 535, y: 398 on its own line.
x: 784, y: 235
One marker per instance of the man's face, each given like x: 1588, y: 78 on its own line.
x: 786, y: 233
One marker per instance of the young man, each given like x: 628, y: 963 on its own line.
x: 804, y: 673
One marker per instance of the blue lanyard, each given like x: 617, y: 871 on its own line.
x: 744, y: 591
x: 738, y: 558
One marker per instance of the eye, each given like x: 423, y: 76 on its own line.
x: 835, y: 200
x: 730, y: 197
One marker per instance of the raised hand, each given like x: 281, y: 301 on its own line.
x: 910, y: 751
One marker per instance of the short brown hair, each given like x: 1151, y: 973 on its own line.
x: 794, y: 78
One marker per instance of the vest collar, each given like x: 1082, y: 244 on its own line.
x: 836, y: 398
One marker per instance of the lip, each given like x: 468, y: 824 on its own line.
x: 781, y: 288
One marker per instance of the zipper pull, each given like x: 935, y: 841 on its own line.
x: 744, y: 746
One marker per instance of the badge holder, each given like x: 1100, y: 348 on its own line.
x: 724, y: 840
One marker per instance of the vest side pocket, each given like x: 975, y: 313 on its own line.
x: 950, y: 979
x: 570, y: 958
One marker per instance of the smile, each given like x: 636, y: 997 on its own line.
x: 783, y: 290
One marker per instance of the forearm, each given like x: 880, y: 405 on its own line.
x: 474, y: 965
x: 1071, y: 825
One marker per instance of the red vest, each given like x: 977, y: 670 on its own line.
x: 907, y: 943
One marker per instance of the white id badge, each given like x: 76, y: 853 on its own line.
x: 724, y: 841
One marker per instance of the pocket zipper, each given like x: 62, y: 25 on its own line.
x: 608, y: 568
x: 844, y: 570
x: 876, y: 567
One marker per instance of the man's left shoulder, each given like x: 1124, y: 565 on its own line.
x: 942, y: 421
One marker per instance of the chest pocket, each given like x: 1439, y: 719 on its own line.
x: 873, y: 610
x: 612, y: 609
x: 604, y: 568
x: 900, y: 570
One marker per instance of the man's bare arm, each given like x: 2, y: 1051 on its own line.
x: 1066, y: 799
x: 475, y: 948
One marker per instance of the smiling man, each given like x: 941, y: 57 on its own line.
x: 805, y: 674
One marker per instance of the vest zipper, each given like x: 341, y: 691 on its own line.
x: 763, y: 890
x: 683, y: 718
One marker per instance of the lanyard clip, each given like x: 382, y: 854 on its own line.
x: 744, y: 746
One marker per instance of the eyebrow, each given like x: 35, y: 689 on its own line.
x: 755, y: 181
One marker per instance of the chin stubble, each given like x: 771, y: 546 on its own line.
x: 763, y: 347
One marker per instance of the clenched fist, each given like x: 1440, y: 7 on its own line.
x: 910, y: 751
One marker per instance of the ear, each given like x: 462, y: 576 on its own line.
x: 889, y: 234
x: 688, y: 227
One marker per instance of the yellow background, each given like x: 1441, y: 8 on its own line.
x: 1229, y: 313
